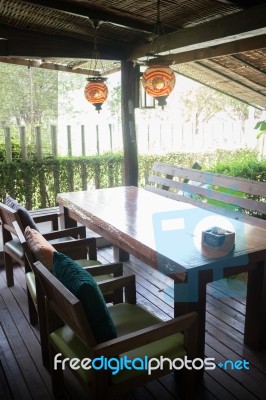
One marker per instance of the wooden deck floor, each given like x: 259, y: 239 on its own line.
x: 23, y: 377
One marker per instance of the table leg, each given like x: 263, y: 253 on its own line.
x: 198, y: 304
x: 65, y: 220
x: 119, y: 254
x: 255, y: 322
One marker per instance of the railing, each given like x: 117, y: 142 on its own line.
x: 19, y: 142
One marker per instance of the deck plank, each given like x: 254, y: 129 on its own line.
x: 20, y: 354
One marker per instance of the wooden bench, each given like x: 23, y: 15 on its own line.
x: 233, y: 197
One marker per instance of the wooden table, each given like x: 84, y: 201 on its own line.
x: 166, y: 235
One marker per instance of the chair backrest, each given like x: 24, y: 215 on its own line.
x: 8, y: 217
x: 60, y: 302
x: 18, y: 230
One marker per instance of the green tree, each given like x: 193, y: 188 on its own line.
x: 203, y: 103
x: 29, y: 95
x: 200, y: 105
x: 236, y: 109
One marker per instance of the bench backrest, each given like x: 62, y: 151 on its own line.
x: 234, y: 197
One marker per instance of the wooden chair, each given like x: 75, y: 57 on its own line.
x: 82, y: 250
x: 139, y: 333
x: 12, y: 247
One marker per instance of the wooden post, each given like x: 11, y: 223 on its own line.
x: 23, y: 143
x: 69, y: 144
x: 83, y: 143
x: 8, y: 144
x: 38, y: 139
x: 97, y: 139
x: 129, y: 77
x: 54, y: 141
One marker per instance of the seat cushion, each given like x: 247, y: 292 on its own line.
x: 128, y: 318
x: 31, y: 285
x: 40, y: 247
x: 25, y: 217
x: 15, y: 247
x: 82, y: 284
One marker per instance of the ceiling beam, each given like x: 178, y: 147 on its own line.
x: 46, y: 64
x: 238, y: 46
x: 43, y: 65
x: 24, y: 43
x: 241, y: 25
x: 239, y: 3
x: 93, y: 14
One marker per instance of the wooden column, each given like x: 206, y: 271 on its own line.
x: 129, y: 75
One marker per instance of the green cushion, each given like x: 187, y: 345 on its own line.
x: 91, y: 263
x: 61, y: 240
x: 15, y: 247
x: 88, y: 263
x: 127, y: 318
x: 31, y: 285
x: 82, y: 284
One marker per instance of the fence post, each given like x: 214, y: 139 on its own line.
x: 69, y: 144
x: 83, y: 144
x: 97, y: 140
x: 8, y: 145
x: 23, y: 142
x: 111, y: 137
x: 54, y: 141
x: 38, y: 142
x: 148, y: 138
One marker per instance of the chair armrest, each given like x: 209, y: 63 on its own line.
x: 79, y: 248
x: 148, y: 335
x: 126, y: 282
x: 114, y: 268
x: 50, y: 214
x: 78, y: 232
x: 45, y: 217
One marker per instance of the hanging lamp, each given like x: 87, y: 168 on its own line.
x: 158, y: 79
x: 96, y: 90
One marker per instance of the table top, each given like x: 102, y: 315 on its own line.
x: 159, y: 230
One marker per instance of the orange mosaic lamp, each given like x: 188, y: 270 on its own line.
x: 96, y: 91
x: 159, y: 81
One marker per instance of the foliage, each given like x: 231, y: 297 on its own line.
x: 242, y: 163
x: 35, y: 184
x: 261, y: 126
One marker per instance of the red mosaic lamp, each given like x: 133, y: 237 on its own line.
x: 96, y: 91
x: 159, y: 81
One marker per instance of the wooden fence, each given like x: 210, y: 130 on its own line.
x: 48, y: 143
x: 153, y: 138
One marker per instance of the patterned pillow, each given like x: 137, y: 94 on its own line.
x: 25, y: 217
x: 41, y: 249
x: 82, y: 284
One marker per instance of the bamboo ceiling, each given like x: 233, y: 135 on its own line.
x: 220, y: 43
